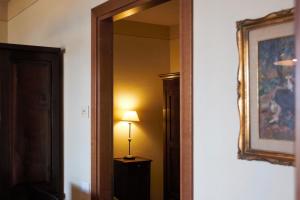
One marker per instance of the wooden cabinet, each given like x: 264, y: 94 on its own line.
x: 31, y: 137
x: 132, y: 179
x: 171, y: 88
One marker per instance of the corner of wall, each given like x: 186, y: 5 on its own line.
x: 3, y: 21
x: 15, y: 7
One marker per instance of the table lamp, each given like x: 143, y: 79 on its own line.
x: 129, y: 117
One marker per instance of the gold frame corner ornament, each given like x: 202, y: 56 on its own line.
x: 245, y: 152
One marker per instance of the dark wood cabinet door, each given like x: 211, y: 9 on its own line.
x: 32, y: 113
x: 132, y: 179
x: 4, y: 122
x: 172, y: 138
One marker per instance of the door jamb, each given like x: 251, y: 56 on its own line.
x: 102, y: 95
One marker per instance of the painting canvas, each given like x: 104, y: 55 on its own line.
x: 266, y: 88
x: 276, y: 89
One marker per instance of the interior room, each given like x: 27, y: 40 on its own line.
x: 146, y: 54
x: 70, y: 70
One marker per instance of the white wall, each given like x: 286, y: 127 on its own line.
x: 219, y: 175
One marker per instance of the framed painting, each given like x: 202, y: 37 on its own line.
x: 266, y: 94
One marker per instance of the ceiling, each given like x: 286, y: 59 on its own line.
x: 166, y: 14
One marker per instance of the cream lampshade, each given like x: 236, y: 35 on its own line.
x: 130, y: 116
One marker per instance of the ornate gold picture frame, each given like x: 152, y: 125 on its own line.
x: 266, y: 88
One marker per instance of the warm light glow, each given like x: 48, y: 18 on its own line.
x: 133, y: 11
x: 125, y: 101
x: 126, y: 14
x: 130, y: 116
x: 121, y: 128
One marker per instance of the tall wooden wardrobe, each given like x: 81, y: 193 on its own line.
x: 171, y: 112
x: 31, y: 136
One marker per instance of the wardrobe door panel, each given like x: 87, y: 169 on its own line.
x: 31, y: 112
x: 172, y: 137
x: 37, y: 135
x: 5, y: 166
x: 32, y: 134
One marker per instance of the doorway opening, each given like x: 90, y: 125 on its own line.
x: 146, y: 144
x: 103, y: 55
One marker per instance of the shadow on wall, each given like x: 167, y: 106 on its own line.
x: 79, y: 194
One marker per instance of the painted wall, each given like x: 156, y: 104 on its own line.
x: 218, y: 172
x: 3, y: 31
x: 8, y: 10
x: 137, y: 63
x: 16, y: 7
x: 3, y: 22
x: 174, y: 49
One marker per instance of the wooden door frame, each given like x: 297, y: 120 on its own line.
x: 102, y: 95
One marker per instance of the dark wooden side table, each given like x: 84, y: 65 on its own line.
x: 132, y: 179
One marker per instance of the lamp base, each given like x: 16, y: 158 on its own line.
x: 129, y: 157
